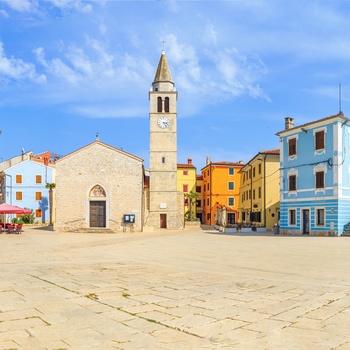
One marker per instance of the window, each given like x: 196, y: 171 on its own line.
x: 292, y: 183
x: 208, y: 201
x: 204, y: 187
x: 19, y: 196
x: 243, y: 177
x: 253, y: 194
x: 250, y: 173
x: 243, y: 197
x: 319, y: 140
x: 320, y: 217
x: 184, y: 188
x: 319, y: 179
x: 159, y: 104
x: 250, y: 194
x: 292, y: 217
x: 38, y: 196
x: 259, y: 192
x: 18, y: 179
x: 185, y: 172
x: 198, y: 203
x: 259, y: 169
x: 292, y: 147
x: 231, y: 202
x: 231, y: 171
x: 208, y: 187
x: 231, y: 185
x: 198, y: 189
x: 167, y: 104
x: 38, y: 213
x: 208, y: 216
x: 163, y: 160
x: 255, y: 216
x: 243, y: 215
x: 254, y: 172
x: 38, y: 179
x: 186, y: 202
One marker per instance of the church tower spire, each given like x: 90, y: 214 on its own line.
x: 165, y: 203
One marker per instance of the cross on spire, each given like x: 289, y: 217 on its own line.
x: 163, y: 42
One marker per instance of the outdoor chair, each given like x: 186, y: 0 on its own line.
x: 10, y: 228
x: 18, y: 228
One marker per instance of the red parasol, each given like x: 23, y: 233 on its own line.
x: 12, y: 209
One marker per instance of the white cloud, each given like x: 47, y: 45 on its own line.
x: 17, y: 69
x: 108, y: 111
x: 3, y: 13
x: 21, y: 5
x: 76, y: 4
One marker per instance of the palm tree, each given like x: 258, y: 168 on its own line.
x: 191, y: 196
x: 50, y: 186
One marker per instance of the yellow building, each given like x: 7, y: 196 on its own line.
x: 186, y: 183
x: 221, y: 182
x: 259, y: 190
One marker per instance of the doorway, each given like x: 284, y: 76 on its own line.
x: 306, y: 216
x: 231, y: 218
x: 97, y: 214
x: 162, y: 220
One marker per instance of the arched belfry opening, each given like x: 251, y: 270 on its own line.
x: 97, y: 206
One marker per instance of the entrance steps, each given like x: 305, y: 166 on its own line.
x: 94, y: 230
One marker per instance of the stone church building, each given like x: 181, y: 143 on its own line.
x: 100, y: 187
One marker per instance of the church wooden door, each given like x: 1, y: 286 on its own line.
x: 97, y: 214
x: 162, y: 220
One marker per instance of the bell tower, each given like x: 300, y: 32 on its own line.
x: 165, y: 205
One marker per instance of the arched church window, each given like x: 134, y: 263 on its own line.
x: 97, y: 191
x: 167, y: 104
x: 159, y: 100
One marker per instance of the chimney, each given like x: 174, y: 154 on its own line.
x: 189, y: 161
x: 289, y: 123
x: 208, y: 160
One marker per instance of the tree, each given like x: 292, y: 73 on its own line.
x: 191, y: 196
x: 50, y: 186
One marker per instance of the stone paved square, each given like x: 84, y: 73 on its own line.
x: 189, y: 289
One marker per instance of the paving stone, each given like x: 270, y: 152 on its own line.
x: 155, y: 291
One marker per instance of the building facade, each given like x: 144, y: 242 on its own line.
x: 315, y: 181
x: 199, y: 202
x: 221, y: 182
x: 99, y: 187
x: 23, y: 183
x: 186, y: 183
x: 165, y: 202
x: 259, y: 190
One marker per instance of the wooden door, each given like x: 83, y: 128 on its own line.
x: 162, y: 220
x: 97, y: 214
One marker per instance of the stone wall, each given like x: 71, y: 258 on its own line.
x: 118, y: 173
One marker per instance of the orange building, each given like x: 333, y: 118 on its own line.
x: 221, y: 182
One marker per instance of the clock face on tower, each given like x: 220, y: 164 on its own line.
x: 163, y: 122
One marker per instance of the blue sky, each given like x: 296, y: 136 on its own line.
x: 71, y: 68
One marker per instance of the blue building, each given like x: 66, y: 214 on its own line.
x: 23, y: 183
x: 315, y: 177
